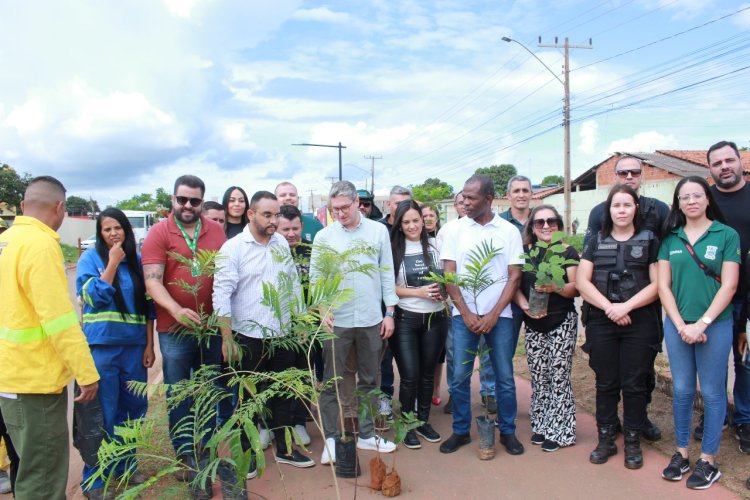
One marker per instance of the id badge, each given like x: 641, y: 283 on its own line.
x: 195, y: 268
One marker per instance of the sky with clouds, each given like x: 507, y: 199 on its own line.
x: 119, y: 98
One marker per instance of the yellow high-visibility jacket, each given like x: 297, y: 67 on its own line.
x: 42, y: 346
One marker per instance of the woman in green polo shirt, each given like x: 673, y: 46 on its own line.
x: 698, y: 273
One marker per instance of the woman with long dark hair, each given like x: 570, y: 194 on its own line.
x: 617, y: 278
x: 421, y: 319
x: 235, y: 204
x: 118, y: 322
x: 698, y: 274
x: 550, y: 339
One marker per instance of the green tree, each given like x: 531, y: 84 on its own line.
x: 12, y: 186
x: 553, y: 179
x: 500, y: 175
x: 143, y: 201
x: 80, y: 206
x: 163, y: 199
x: 431, y: 190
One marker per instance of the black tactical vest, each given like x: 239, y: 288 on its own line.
x: 621, y: 267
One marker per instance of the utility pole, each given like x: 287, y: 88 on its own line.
x: 372, y: 171
x: 340, y: 147
x: 566, y: 85
x: 332, y: 180
x: 312, y: 205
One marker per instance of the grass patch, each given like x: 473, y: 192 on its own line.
x: 70, y: 253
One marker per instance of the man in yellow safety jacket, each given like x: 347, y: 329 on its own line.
x: 42, y: 346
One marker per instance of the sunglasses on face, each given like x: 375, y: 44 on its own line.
x: 183, y: 200
x: 365, y: 203
x: 623, y: 174
x: 551, y: 222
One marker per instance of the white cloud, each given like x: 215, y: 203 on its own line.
x: 644, y: 142
x: 589, y: 134
x: 27, y: 118
x: 743, y: 18
x: 181, y: 8
x: 322, y: 14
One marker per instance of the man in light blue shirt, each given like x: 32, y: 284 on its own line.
x: 358, y: 324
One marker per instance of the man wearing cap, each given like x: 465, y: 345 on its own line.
x: 367, y: 205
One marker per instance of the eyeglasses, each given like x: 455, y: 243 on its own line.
x: 551, y: 222
x: 695, y: 196
x: 341, y: 209
x: 623, y: 174
x: 183, y: 200
x: 365, y: 203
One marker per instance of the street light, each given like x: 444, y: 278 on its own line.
x: 566, y: 124
x: 340, y: 147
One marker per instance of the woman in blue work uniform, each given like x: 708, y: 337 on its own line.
x: 118, y: 322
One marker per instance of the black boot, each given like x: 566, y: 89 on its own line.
x: 606, y: 447
x: 633, y: 454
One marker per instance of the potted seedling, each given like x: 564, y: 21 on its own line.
x: 475, y: 280
x: 545, y: 260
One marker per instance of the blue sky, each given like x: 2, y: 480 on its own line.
x: 118, y: 98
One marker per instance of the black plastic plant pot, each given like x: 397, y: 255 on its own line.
x: 486, y: 430
x: 347, y: 462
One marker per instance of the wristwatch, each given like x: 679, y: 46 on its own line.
x: 389, y: 314
x: 706, y: 319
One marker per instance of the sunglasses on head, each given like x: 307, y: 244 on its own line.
x: 623, y: 174
x: 551, y: 222
x: 183, y: 200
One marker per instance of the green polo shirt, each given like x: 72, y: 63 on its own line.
x: 693, y: 290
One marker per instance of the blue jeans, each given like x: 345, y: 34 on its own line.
x: 117, y: 365
x: 181, y: 355
x: 741, y: 389
x: 465, y: 344
x: 486, y: 375
x: 708, y: 361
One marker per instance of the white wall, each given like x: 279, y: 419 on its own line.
x: 73, y: 228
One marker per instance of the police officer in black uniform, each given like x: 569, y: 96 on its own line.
x: 652, y: 213
x: 617, y: 278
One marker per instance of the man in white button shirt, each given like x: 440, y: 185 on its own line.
x: 245, y: 263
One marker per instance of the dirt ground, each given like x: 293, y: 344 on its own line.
x: 734, y: 466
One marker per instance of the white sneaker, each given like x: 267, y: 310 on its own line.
x: 302, y: 438
x: 376, y: 443
x: 265, y: 438
x: 329, y: 452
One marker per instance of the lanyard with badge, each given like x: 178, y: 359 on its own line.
x: 192, y: 243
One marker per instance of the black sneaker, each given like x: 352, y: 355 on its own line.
x: 454, y: 442
x: 742, y: 431
x: 411, y: 440
x: 549, y: 445
x: 537, y: 438
x: 703, y: 476
x: 427, y: 432
x: 678, y: 465
x: 295, y: 458
x: 448, y: 408
x: 490, y: 403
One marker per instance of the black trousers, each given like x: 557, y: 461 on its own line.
x: 622, y: 358
x: 258, y: 357
x: 12, y: 455
x: 417, y: 342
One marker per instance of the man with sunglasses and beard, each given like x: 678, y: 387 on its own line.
x: 367, y: 205
x: 186, y: 232
x: 629, y: 170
